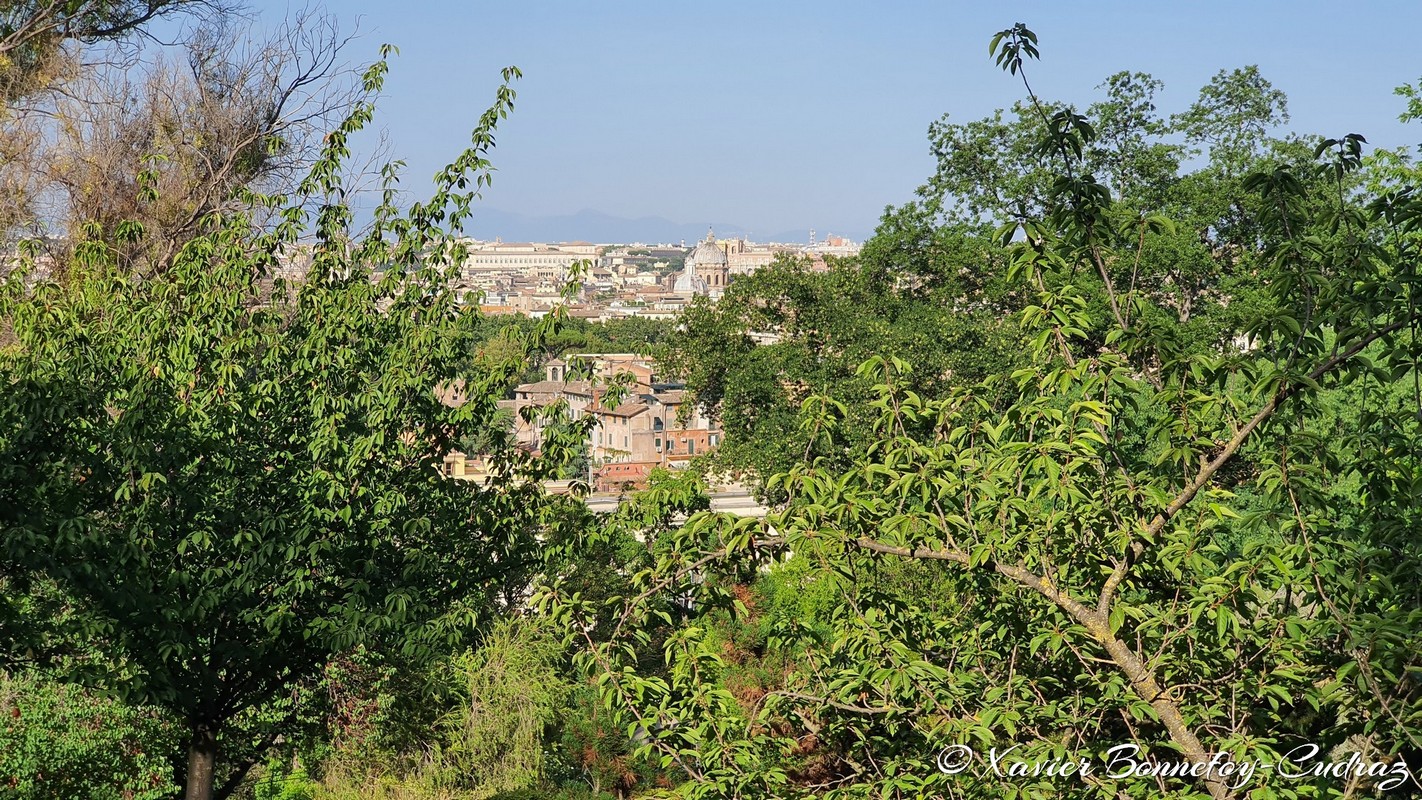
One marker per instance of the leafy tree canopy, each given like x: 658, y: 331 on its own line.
x: 236, y: 477
x: 1188, y: 530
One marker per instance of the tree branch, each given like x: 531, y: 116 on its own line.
x: 1208, y: 470
x: 1143, y: 681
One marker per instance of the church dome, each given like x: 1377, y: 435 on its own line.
x: 689, y: 283
x: 708, y: 253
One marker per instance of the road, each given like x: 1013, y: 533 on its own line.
x: 734, y: 500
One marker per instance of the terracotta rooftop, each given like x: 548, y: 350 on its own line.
x: 630, y: 409
x: 553, y: 387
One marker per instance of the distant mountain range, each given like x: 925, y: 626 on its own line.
x: 595, y: 226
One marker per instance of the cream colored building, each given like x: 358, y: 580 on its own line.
x: 744, y: 258
x: 545, y: 263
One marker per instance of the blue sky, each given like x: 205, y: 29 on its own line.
x: 787, y: 115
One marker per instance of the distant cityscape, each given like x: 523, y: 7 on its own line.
x: 650, y: 424
x: 655, y: 281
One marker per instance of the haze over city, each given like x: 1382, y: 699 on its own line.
x: 771, y: 119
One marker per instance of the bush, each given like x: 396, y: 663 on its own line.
x: 471, y: 728
x: 57, y: 740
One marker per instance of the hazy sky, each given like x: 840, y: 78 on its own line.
x: 788, y: 115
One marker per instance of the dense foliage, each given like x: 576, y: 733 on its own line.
x: 824, y: 325
x: 64, y: 742
x: 237, y: 479
x: 1183, y: 521
x: 1111, y: 436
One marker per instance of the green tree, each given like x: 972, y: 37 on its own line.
x: 238, y: 476
x: 1198, y: 548
x: 931, y: 286
x: 482, y: 716
x: 824, y: 325
x: 1233, y: 116
x: 511, y: 691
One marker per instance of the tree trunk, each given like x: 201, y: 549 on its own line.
x: 202, y: 762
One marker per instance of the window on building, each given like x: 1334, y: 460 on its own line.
x: 691, y: 447
x: 659, y: 444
